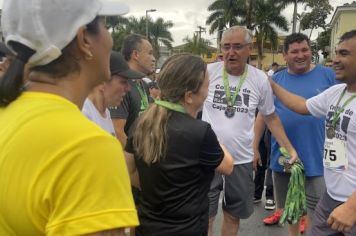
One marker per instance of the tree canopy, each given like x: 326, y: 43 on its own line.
x: 158, y: 31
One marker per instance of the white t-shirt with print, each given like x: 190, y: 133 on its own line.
x: 237, y: 133
x: 340, y: 184
x: 90, y: 111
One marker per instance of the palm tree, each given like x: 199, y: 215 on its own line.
x: 137, y: 25
x: 266, y: 17
x: 158, y: 31
x: 159, y: 34
x: 116, y: 23
x: 196, y: 45
x: 260, y: 16
x: 225, y: 13
x: 295, y: 12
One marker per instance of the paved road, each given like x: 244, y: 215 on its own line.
x: 254, y: 225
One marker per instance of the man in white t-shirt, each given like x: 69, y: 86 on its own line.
x: 335, y: 213
x: 109, y: 93
x: 236, y: 89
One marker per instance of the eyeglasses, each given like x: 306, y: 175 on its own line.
x: 234, y: 46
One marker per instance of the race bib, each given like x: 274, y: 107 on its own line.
x: 335, y: 154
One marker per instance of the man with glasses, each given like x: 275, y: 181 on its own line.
x: 236, y: 90
x: 138, y: 53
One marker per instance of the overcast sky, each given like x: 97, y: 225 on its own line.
x: 187, y: 15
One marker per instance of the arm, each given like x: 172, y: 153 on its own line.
x: 290, y: 100
x: 131, y: 166
x: 259, y: 130
x: 227, y: 165
x: 112, y: 232
x: 343, y: 217
x: 275, y: 126
x: 119, y: 125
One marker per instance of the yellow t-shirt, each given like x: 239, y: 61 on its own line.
x: 60, y: 174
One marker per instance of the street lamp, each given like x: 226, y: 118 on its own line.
x: 147, y: 11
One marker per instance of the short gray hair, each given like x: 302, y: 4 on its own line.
x: 237, y: 28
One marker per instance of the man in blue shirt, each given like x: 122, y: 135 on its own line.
x: 306, y: 133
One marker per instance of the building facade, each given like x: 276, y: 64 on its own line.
x: 343, y: 20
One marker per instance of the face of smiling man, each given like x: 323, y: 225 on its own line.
x: 344, y: 62
x: 298, y: 57
x: 235, y: 51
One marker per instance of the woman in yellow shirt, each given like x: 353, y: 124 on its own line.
x: 60, y: 174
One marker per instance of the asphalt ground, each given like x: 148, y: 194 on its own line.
x: 254, y: 226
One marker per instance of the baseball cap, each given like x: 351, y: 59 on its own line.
x: 119, y: 66
x: 48, y: 26
x: 4, y: 50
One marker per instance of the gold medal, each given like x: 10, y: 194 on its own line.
x: 330, y: 132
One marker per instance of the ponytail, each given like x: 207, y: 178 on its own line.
x: 12, y: 81
x: 150, y: 136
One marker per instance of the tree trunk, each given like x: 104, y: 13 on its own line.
x: 295, y: 16
x: 219, y: 39
x: 259, y: 42
x: 249, y: 4
x: 311, y: 31
x: 156, y: 52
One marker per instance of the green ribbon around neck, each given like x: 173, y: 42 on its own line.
x: 143, y: 95
x: 232, y: 99
x: 338, y: 112
x: 171, y: 106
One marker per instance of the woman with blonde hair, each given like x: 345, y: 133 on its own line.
x: 175, y: 154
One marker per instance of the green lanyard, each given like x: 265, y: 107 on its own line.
x: 143, y: 95
x: 231, y: 99
x: 171, y: 106
x: 336, y: 115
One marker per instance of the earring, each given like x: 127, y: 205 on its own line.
x: 88, y: 56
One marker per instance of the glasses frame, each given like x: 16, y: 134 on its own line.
x: 234, y: 46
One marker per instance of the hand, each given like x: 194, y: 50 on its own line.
x: 256, y: 160
x: 342, y: 218
x: 293, y: 155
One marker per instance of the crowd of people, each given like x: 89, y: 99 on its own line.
x: 90, y: 146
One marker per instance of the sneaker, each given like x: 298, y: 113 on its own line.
x: 256, y: 200
x: 302, y: 225
x: 270, y: 204
x: 274, y: 218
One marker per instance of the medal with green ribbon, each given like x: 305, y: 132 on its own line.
x: 330, y: 131
x: 143, y: 95
x: 230, y: 100
x: 171, y: 106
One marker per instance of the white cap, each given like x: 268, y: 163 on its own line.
x: 48, y: 26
